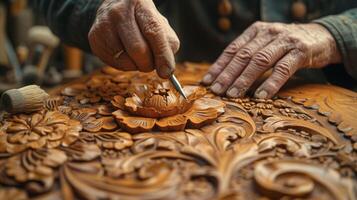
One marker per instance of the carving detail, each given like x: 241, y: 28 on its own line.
x: 163, y: 107
x: 130, y: 135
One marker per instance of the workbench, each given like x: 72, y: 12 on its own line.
x: 116, y: 135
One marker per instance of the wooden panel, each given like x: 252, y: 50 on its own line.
x: 118, y: 135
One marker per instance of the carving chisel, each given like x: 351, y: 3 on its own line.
x: 177, y: 85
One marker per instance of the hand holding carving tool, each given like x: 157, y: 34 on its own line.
x: 26, y: 99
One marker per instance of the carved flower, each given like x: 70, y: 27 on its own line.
x: 161, y: 106
x: 97, y: 88
x: 36, y: 169
x: 45, y: 128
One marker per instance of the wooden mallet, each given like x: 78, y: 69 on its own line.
x: 42, y: 36
x: 23, y: 100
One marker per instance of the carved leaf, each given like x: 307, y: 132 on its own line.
x: 274, y: 123
x: 298, y: 178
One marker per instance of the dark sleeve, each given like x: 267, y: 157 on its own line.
x: 71, y: 20
x: 343, y: 27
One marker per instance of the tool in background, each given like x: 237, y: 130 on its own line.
x: 42, y: 42
x: 3, y: 55
x: 12, y: 56
x: 21, y: 19
x: 177, y: 85
x: 26, y: 99
x: 73, y: 62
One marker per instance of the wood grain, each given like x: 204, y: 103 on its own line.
x: 116, y: 135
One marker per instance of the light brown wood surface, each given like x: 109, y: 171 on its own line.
x: 116, y: 135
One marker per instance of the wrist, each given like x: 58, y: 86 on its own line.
x: 332, y: 48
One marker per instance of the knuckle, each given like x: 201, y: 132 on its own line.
x: 152, y: 27
x: 262, y: 58
x: 302, y: 46
x: 258, y: 24
x: 224, y: 78
x: 139, y: 49
x: 175, y: 45
x: 274, y: 30
x: 245, y: 54
x: 283, y: 69
x: 232, y: 48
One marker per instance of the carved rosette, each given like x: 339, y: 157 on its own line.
x: 162, y: 108
x: 42, y: 129
x: 302, y: 144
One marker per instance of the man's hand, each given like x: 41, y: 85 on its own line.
x: 133, y: 35
x: 283, y: 47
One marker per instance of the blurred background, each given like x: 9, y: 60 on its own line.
x: 31, y: 54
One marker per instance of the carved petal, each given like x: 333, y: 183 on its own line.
x: 114, y: 140
x: 134, y: 124
x: 83, y: 114
x: 194, y: 92
x: 94, y: 125
x: 12, y: 193
x: 16, y: 127
x: 133, y: 102
x: 199, y: 118
x: 174, y: 123
x: 204, y: 111
x: 118, y: 101
x: 74, y: 90
x: 204, y: 103
x: 110, y: 71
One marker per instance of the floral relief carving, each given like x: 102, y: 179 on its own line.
x: 43, y: 129
x: 117, y: 135
x: 162, y: 107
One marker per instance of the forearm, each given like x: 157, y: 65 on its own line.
x: 71, y: 20
x: 343, y: 27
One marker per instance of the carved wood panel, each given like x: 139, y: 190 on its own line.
x: 118, y: 135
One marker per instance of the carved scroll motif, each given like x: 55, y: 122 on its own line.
x: 130, y: 135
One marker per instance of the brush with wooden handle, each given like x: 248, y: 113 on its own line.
x: 23, y: 100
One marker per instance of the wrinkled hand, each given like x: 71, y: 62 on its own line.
x: 136, y: 27
x: 283, y: 47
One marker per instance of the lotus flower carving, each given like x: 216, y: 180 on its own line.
x: 159, y: 106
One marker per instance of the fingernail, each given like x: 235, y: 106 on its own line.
x: 165, y: 72
x: 207, y: 78
x: 216, y: 88
x: 233, y: 92
x: 261, y: 95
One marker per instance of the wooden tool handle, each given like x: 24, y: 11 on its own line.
x: 73, y: 58
x: 3, y: 56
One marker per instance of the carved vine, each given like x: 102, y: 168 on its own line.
x: 82, y: 144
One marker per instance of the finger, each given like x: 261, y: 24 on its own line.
x: 238, y: 64
x: 153, y: 31
x: 107, y: 45
x: 228, y: 55
x: 282, y: 71
x: 261, y: 61
x: 172, y: 36
x: 134, y: 43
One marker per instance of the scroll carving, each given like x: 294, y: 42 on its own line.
x: 130, y: 135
